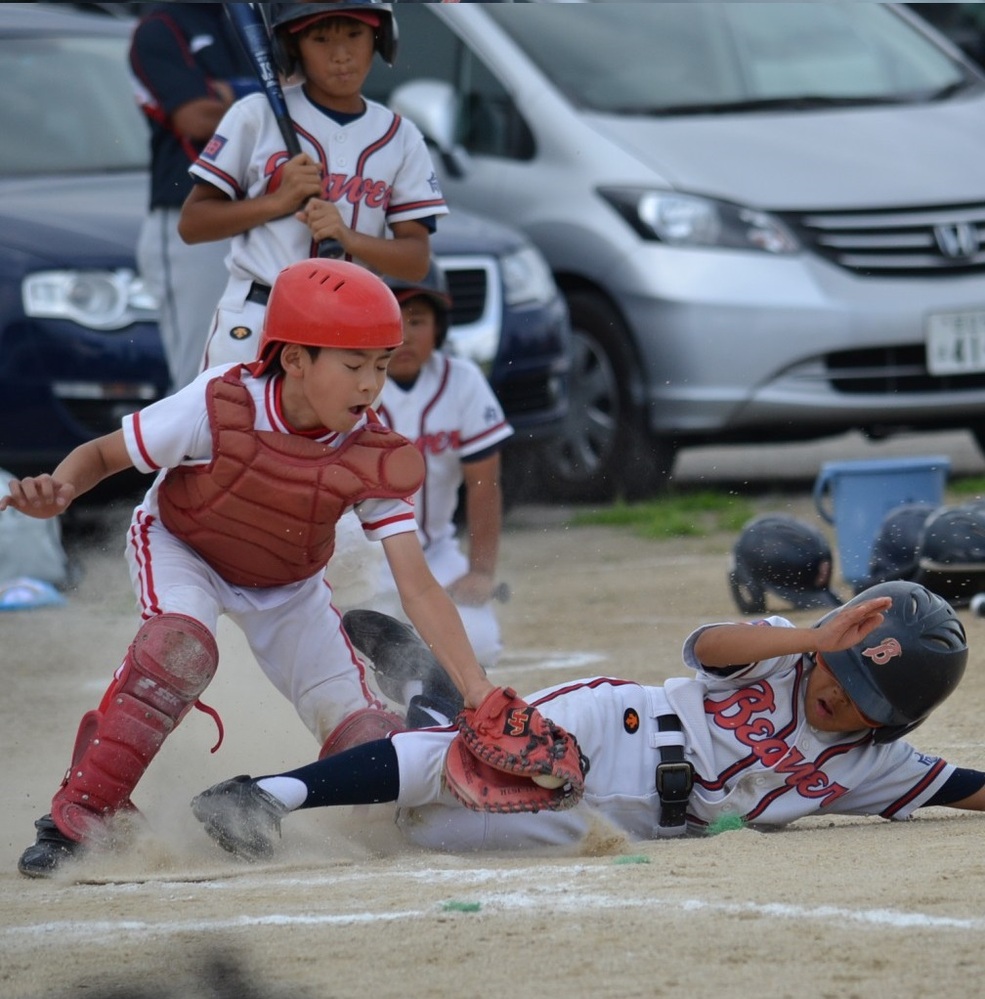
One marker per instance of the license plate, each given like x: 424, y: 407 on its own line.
x: 956, y: 343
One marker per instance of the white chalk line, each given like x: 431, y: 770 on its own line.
x: 563, y: 897
x: 533, y: 661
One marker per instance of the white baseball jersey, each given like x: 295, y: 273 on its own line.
x: 449, y: 413
x: 293, y: 630
x: 746, y: 735
x: 378, y: 171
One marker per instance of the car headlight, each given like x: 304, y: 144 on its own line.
x: 98, y: 300
x: 689, y: 220
x: 527, y: 278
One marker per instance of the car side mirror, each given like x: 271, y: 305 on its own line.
x: 432, y: 105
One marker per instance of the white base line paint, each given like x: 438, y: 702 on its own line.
x: 566, y: 897
x: 531, y: 661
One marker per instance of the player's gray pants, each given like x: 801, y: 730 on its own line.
x: 187, y: 281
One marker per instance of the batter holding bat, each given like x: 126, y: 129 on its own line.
x: 364, y: 178
x: 775, y: 723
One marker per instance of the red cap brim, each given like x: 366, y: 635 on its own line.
x: 367, y: 17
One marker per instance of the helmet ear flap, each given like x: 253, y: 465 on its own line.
x: 748, y: 592
x: 387, y: 38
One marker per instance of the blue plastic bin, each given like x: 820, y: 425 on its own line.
x: 855, y: 496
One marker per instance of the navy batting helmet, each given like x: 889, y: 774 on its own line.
x: 894, y: 552
x: 434, y: 287
x: 287, y: 19
x: 908, y: 666
x: 785, y: 555
x: 951, y: 552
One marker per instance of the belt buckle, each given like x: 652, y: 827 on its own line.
x: 674, y: 781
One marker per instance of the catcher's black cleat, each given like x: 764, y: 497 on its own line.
x: 398, y: 656
x: 241, y: 817
x: 49, y: 850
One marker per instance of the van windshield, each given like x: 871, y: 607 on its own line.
x: 667, y: 58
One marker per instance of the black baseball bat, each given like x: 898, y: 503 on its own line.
x: 253, y: 34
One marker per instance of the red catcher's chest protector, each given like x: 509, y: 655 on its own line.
x: 263, y: 511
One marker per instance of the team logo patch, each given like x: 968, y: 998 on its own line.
x: 631, y: 721
x: 887, y: 649
x: 241, y: 332
x: 213, y: 147
x: 517, y: 722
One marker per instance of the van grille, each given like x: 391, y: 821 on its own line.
x: 939, y: 240
x: 468, y: 289
x: 891, y: 370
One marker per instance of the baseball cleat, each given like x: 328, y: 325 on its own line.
x: 241, y: 817
x: 398, y: 656
x: 51, y: 848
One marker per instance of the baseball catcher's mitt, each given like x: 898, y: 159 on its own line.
x: 508, y: 734
x: 485, y: 789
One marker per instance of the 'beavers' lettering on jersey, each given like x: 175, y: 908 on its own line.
x: 373, y: 193
x: 439, y: 443
x: 746, y: 713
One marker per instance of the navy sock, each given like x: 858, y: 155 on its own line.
x: 364, y: 775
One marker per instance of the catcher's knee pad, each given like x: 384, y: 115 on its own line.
x: 364, y: 725
x: 170, y: 662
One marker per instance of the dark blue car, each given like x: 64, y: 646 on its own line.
x: 79, y: 345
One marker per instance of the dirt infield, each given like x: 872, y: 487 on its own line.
x: 835, y: 908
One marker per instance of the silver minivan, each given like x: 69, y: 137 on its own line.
x: 768, y: 219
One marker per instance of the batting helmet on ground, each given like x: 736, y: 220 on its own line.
x: 905, y: 668
x: 951, y: 552
x: 782, y: 554
x: 329, y: 303
x: 894, y: 552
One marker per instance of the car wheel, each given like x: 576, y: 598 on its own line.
x: 603, y: 451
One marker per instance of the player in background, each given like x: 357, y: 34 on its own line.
x: 445, y: 406
x: 188, y: 68
x: 777, y: 723
x: 365, y: 178
x: 255, y: 464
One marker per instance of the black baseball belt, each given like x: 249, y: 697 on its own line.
x: 258, y: 293
x: 675, y: 778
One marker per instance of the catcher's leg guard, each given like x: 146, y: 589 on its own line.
x: 364, y: 725
x: 171, y: 661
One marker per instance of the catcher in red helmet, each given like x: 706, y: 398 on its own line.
x: 254, y: 465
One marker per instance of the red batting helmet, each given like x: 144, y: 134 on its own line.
x: 329, y: 303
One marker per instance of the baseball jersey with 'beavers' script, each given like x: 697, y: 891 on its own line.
x: 450, y: 413
x: 378, y: 172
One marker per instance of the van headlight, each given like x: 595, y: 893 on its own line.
x: 527, y: 279
x: 689, y: 220
x: 98, y: 300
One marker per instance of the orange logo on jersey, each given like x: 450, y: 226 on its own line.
x: 887, y: 649
x: 631, y: 721
x: 241, y: 332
